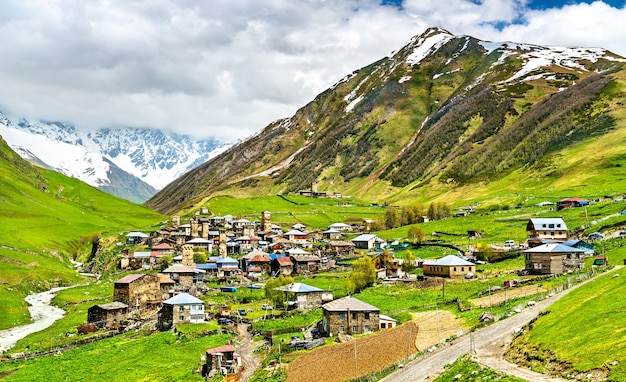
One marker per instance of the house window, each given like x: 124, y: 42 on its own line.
x: 342, y: 329
x: 355, y: 329
x: 367, y: 316
x: 366, y: 328
x: 181, y: 318
x: 382, y: 325
x: 455, y: 269
x: 354, y: 315
x: 551, y: 226
x: 537, y: 265
x: 462, y: 269
x: 181, y: 308
x: 342, y: 316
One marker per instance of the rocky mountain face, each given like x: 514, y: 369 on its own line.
x: 447, y: 109
x: 131, y: 163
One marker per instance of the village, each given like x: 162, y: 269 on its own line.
x: 173, y: 272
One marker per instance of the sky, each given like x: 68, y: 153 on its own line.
x: 226, y: 69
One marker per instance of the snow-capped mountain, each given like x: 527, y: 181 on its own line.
x: 109, y: 156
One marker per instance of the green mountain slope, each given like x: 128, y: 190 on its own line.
x: 443, y: 112
x: 45, y: 218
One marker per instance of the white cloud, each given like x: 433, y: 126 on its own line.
x: 227, y: 69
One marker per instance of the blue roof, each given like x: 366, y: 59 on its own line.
x: 298, y: 288
x: 228, y: 260
x: 553, y: 248
x: 183, y: 299
x: 206, y: 266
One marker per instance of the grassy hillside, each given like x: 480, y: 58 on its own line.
x: 583, y: 333
x: 453, y: 126
x: 46, y: 218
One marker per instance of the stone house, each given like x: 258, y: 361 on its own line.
x: 305, y: 263
x: 304, y: 297
x: 222, y: 360
x: 183, y: 274
x: 349, y: 315
x: 137, y: 290
x: 106, y: 314
x: 554, y: 259
x: 449, y: 266
x: 281, y: 265
x: 258, y: 259
x: 341, y: 248
x: 181, y: 309
x: 331, y: 234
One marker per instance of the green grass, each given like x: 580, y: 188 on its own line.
x: 161, y: 356
x: 594, y: 314
x: 472, y: 371
x: 291, y: 209
x: 47, y: 218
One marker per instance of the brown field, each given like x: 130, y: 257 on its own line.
x: 356, y: 358
x: 434, y: 327
x: 499, y: 297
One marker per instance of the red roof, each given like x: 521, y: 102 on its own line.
x: 155, y: 254
x: 129, y: 279
x: 254, y: 269
x: 259, y: 259
x: 284, y: 261
x: 162, y: 246
x: 221, y: 349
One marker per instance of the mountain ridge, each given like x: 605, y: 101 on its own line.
x: 434, y: 111
x: 132, y: 163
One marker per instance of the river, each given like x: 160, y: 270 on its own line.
x: 41, y: 312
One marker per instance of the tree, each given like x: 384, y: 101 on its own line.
x: 166, y: 261
x: 277, y: 297
x: 392, y: 220
x: 200, y: 256
x: 416, y: 234
x: 363, y: 275
x: 407, y: 264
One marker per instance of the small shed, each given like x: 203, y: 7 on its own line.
x: 105, y: 314
x: 223, y: 360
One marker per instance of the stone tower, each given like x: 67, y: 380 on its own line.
x: 205, y: 229
x: 194, y: 228
x: 221, y: 250
x: 175, y: 221
x: 188, y: 255
x: 266, y: 221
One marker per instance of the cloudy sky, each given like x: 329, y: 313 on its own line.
x: 227, y: 68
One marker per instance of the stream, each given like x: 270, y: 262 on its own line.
x: 41, y: 312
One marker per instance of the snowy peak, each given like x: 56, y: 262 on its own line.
x: 153, y: 157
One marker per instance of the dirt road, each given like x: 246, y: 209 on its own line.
x: 245, y: 349
x: 488, y: 344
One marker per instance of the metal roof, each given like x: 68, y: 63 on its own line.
x: 113, y: 305
x: 349, y: 303
x: 553, y: 248
x: 183, y: 299
x: 298, y: 288
x: 129, y: 279
x: 449, y: 261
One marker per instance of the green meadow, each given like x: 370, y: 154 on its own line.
x: 584, y: 328
x: 133, y: 356
x: 46, y: 219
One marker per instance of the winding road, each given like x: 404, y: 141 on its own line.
x: 488, y: 344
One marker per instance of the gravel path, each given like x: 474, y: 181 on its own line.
x: 489, y: 345
x: 245, y: 349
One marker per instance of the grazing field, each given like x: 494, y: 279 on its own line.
x: 470, y: 370
x: 134, y: 356
x: 592, y: 340
x: 355, y: 358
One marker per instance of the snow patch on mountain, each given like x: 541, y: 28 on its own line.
x: 155, y: 157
